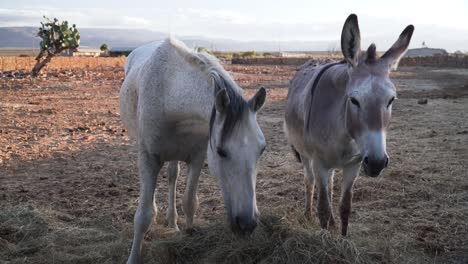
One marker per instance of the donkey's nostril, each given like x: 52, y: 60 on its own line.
x: 366, y: 160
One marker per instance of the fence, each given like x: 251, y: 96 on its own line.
x: 434, y: 61
x: 22, y: 63
x: 27, y: 63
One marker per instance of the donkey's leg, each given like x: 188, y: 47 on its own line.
x: 331, y: 221
x: 309, y: 181
x: 349, y: 176
x: 322, y: 176
x: 149, y: 166
x: 190, y: 203
x: 171, y: 214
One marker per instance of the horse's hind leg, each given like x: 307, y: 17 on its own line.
x: 190, y: 203
x: 149, y: 166
x: 309, y: 181
x: 324, y: 209
x: 171, y: 214
x: 349, y: 176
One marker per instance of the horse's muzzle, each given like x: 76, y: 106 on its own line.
x: 373, y: 167
x: 243, y: 225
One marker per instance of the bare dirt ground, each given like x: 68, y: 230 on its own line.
x: 69, y: 183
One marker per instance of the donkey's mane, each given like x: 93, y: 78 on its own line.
x: 321, y: 71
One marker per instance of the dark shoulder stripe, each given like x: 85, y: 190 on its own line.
x: 314, y: 85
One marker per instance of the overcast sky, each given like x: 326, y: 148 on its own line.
x: 439, y: 23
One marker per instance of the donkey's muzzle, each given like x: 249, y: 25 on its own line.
x: 243, y: 225
x: 374, y: 166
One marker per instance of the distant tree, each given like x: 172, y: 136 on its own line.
x: 459, y: 53
x: 248, y: 54
x: 267, y: 54
x: 203, y: 49
x: 104, y: 47
x: 56, y: 38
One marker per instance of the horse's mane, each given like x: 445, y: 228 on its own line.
x: 210, y: 65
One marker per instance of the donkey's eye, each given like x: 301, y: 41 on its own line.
x: 355, y: 102
x: 390, y: 102
x: 221, y: 152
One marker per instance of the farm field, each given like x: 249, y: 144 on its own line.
x: 69, y: 183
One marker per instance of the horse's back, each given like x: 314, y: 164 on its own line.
x: 129, y: 92
x: 140, y: 55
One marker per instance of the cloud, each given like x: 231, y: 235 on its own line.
x: 442, y: 24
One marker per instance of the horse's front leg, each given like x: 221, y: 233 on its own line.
x: 322, y: 177
x: 349, y: 176
x: 149, y: 167
x: 171, y: 214
x: 190, y: 202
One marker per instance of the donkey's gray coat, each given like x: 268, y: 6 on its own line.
x: 173, y: 102
x: 337, y: 117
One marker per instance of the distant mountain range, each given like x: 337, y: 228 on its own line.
x: 122, y: 39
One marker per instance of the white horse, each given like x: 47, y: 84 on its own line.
x: 180, y: 105
x: 337, y: 116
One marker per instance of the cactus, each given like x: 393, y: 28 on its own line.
x: 56, y: 38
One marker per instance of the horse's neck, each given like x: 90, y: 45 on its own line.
x: 191, y: 95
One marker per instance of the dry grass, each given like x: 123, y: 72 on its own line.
x: 69, y: 183
x: 40, y: 235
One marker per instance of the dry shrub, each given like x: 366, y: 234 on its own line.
x: 274, y: 241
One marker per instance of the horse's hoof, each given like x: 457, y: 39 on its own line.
x: 175, y: 227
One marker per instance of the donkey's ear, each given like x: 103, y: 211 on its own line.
x: 351, y: 40
x: 222, y: 101
x: 257, y: 101
x: 394, y: 54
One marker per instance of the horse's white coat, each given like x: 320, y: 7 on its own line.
x: 166, y: 101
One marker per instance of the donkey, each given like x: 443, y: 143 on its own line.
x: 337, y: 116
x: 181, y: 105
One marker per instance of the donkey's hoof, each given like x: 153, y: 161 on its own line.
x: 191, y: 230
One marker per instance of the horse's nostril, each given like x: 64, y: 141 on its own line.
x: 386, y: 161
x: 366, y: 160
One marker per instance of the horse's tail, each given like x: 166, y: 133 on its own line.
x: 296, y: 154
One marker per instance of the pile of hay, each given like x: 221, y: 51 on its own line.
x: 32, y: 235
x: 274, y: 241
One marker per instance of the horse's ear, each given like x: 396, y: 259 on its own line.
x: 351, y: 40
x: 394, y: 54
x: 222, y: 101
x: 258, y: 100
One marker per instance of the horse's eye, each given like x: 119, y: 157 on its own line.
x: 354, y: 101
x: 390, y: 102
x: 221, y: 152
